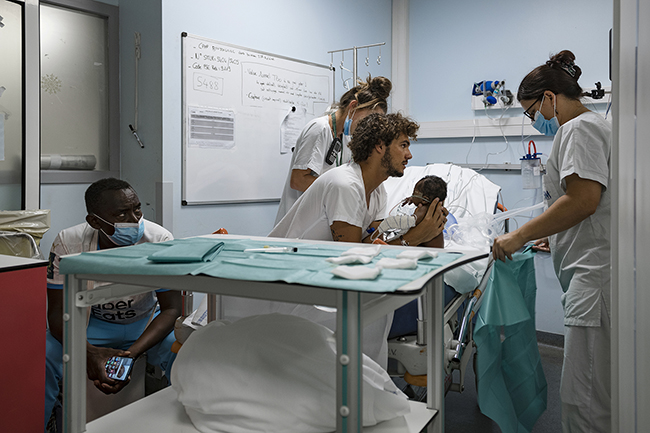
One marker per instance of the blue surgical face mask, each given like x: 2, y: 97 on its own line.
x: 125, y: 233
x: 547, y: 127
x: 348, y: 123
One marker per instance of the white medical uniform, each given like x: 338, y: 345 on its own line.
x: 581, y: 257
x: 310, y: 152
x: 338, y: 195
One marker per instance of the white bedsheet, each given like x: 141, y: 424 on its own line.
x: 375, y: 335
x: 273, y: 372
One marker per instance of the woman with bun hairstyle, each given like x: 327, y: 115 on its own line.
x: 576, y: 228
x: 317, y: 151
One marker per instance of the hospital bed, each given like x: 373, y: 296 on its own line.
x: 469, y: 195
x: 355, y: 303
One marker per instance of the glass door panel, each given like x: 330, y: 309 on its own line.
x: 11, y: 105
x: 74, y: 90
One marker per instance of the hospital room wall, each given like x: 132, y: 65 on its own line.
x: 142, y: 167
x: 455, y: 44
x: 64, y: 200
x: 304, y: 30
x: 293, y: 28
x: 439, y: 78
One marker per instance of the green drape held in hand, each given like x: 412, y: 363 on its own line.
x: 511, y: 382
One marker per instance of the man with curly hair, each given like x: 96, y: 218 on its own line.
x: 343, y: 203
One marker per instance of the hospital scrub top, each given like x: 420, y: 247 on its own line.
x: 581, y: 254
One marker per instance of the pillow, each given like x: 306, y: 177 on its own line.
x: 272, y: 373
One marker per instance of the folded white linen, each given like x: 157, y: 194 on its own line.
x: 346, y: 260
x: 357, y: 272
x: 417, y: 254
x: 370, y: 250
x: 390, y: 263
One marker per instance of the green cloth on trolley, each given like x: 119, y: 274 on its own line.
x: 306, y: 266
x: 186, y: 252
x: 511, y: 381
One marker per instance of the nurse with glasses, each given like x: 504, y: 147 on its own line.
x: 576, y: 228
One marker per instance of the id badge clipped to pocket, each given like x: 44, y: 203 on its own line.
x: 333, y: 151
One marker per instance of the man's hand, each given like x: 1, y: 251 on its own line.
x: 542, y: 245
x: 420, y: 213
x: 96, y: 358
x: 429, y: 226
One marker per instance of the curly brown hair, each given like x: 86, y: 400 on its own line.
x: 379, y: 128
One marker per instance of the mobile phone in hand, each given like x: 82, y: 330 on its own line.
x: 119, y: 367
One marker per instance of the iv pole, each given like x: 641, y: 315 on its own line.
x: 354, y: 57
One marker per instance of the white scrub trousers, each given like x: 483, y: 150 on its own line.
x: 585, y: 389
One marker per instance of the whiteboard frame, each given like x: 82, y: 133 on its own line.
x: 184, y: 113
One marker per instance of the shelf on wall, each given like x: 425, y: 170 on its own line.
x: 483, y: 127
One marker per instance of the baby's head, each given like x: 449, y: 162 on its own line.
x: 428, y: 189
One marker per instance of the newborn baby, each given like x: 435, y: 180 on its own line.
x: 412, y: 210
x: 425, y: 191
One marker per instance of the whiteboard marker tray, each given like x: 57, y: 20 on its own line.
x: 162, y: 413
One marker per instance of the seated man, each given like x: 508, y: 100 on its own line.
x: 345, y: 202
x: 117, y: 328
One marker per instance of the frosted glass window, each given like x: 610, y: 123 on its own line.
x: 11, y: 105
x: 74, y: 90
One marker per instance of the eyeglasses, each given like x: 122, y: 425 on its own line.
x: 526, y: 112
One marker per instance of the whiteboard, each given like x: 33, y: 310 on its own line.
x: 234, y: 102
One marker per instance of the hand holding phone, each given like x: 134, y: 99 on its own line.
x: 119, y: 367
